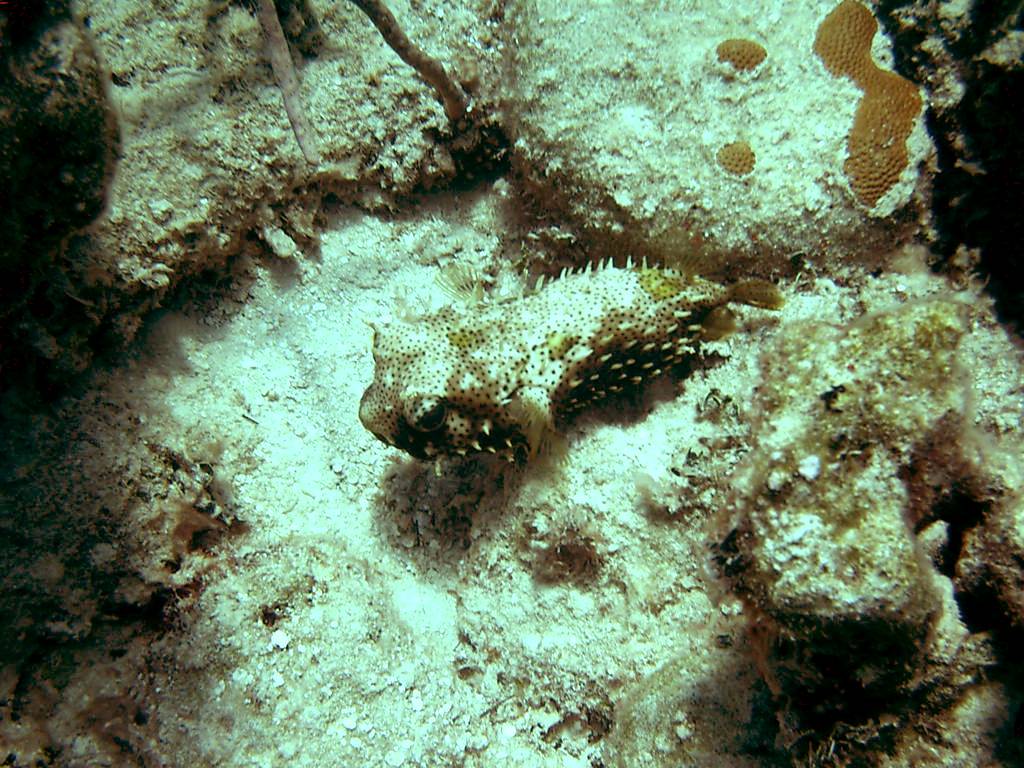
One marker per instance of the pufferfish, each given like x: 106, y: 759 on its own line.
x: 501, y: 378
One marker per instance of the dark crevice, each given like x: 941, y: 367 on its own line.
x: 962, y: 512
x: 980, y: 160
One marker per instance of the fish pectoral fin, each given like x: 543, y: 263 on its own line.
x: 531, y: 408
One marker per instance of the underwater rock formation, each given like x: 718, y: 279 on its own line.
x: 863, y: 436
x: 597, y: 116
x: 59, y: 137
x: 208, y: 161
x: 992, y: 558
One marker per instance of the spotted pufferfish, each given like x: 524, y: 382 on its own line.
x: 503, y: 377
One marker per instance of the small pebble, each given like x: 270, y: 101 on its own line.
x: 809, y: 467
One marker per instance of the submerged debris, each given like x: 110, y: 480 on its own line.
x: 430, y: 69
x: 287, y: 80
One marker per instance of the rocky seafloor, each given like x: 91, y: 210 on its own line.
x: 804, y: 547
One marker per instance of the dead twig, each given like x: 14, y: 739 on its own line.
x: 287, y: 80
x: 431, y: 70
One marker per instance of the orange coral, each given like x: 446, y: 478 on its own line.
x: 737, y: 158
x: 843, y: 42
x: 877, y: 145
x: 744, y: 55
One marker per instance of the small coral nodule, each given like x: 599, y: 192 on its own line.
x: 743, y: 55
x: 737, y: 158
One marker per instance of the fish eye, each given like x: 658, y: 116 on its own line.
x: 426, y: 414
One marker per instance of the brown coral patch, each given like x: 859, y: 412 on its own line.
x: 744, y: 55
x: 843, y: 43
x: 737, y: 158
x: 876, y: 147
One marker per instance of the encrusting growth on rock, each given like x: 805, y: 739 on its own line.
x: 500, y: 378
x: 877, y: 151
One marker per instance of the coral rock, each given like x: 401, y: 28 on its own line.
x: 620, y: 139
x: 737, y: 158
x: 744, y: 55
x: 877, y: 144
x: 827, y: 560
